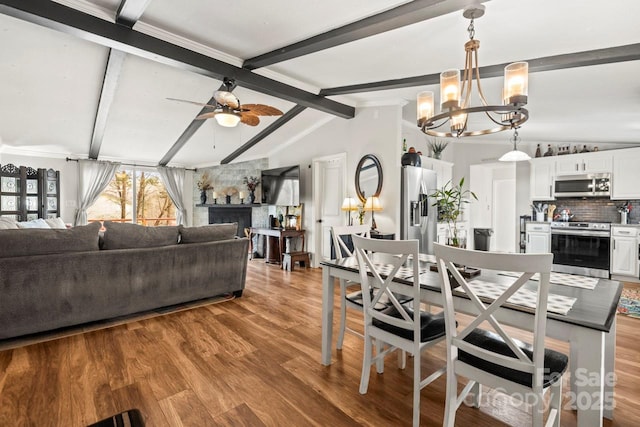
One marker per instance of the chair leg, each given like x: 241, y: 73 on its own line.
x: 366, y: 364
x: 402, y: 359
x: 537, y: 409
x: 416, y: 388
x: 476, y: 392
x: 451, y: 397
x: 379, y: 358
x: 555, y: 402
x: 343, y: 314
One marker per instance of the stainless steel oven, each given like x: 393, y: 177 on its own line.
x: 581, y: 248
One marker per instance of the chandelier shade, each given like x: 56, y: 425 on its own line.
x: 227, y: 118
x: 455, y: 95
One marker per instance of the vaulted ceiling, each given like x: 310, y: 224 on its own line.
x: 91, y: 78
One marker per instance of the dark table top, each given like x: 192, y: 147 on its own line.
x: 594, y: 308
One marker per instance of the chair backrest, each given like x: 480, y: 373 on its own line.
x: 341, y: 248
x: 450, y: 258
x: 380, y: 261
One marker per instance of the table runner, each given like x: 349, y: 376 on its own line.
x: 562, y: 279
x: 523, y: 297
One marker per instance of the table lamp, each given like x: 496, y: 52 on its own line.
x: 349, y: 204
x: 373, y: 204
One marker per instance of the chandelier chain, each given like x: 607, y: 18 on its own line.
x: 471, y: 29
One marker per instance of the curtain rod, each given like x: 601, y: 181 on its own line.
x: 69, y: 159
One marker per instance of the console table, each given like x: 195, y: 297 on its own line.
x: 282, y: 235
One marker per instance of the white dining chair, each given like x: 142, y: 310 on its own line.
x: 494, y: 358
x: 397, y: 326
x: 350, y: 296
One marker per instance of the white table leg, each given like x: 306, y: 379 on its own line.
x: 327, y: 315
x: 588, y: 375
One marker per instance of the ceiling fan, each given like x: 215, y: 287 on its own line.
x: 228, y: 111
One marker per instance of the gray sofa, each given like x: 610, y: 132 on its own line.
x: 52, y: 279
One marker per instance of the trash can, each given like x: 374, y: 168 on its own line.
x: 482, y: 238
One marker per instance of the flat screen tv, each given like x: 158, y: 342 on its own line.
x: 281, y: 186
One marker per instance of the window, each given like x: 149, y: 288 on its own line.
x: 134, y: 195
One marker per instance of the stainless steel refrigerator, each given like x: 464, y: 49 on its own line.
x: 418, y: 216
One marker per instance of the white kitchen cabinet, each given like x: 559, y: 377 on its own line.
x: 571, y: 164
x: 538, y: 238
x: 443, y: 169
x: 624, y: 251
x: 443, y: 234
x: 626, y: 174
x: 541, y: 178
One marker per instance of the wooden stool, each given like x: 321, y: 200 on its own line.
x: 290, y: 258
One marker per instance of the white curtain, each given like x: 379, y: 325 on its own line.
x: 93, y: 178
x: 173, y: 179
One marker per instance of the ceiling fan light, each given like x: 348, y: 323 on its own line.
x: 227, y: 120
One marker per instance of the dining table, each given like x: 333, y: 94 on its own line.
x: 589, y: 327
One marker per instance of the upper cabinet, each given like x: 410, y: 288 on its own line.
x: 572, y: 164
x: 541, y: 178
x: 626, y: 174
x: 27, y: 193
x: 443, y: 169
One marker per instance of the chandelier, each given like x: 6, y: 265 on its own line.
x: 455, y: 98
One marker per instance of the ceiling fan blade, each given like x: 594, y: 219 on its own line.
x: 249, y: 119
x: 261, y: 110
x: 206, y: 115
x: 192, y: 102
x: 226, y: 98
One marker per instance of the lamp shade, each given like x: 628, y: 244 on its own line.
x: 372, y: 204
x: 227, y: 120
x: 514, y: 156
x: 349, y: 204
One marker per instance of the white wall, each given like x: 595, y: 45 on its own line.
x: 373, y: 130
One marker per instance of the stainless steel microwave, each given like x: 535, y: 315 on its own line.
x: 586, y: 185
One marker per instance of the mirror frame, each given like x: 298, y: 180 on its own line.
x: 378, y: 166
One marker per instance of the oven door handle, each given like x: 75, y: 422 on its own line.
x: 582, y: 233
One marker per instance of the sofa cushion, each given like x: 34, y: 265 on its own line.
x: 8, y: 223
x: 208, y: 233
x: 34, y: 223
x: 128, y: 236
x: 38, y: 241
x: 56, y: 223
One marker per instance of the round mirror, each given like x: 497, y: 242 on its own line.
x: 368, y: 177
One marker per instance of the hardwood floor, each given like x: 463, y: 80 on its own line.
x: 252, y: 361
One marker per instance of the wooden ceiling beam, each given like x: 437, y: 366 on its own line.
x: 264, y: 133
x: 609, y: 55
x: 401, y: 16
x: 130, y: 11
x: 71, y: 21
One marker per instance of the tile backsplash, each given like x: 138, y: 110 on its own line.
x: 596, y: 209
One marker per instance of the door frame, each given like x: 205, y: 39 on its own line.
x: 316, y: 236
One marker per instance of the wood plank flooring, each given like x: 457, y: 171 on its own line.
x: 252, y: 361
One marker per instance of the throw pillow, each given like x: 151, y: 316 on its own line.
x: 57, y: 223
x: 8, y: 223
x: 208, y: 233
x: 47, y: 241
x: 128, y: 236
x: 34, y: 223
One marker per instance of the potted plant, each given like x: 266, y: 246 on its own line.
x: 450, y: 200
x: 437, y: 147
x: 204, y: 184
x: 252, y: 183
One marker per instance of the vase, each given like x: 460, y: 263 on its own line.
x: 203, y: 197
x: 437, y: 155
x: 252, y: 196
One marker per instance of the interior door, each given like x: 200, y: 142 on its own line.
x: 329, y: 190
